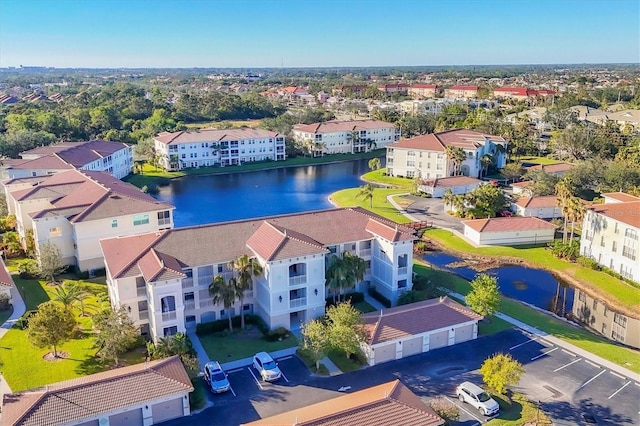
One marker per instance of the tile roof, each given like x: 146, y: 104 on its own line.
x: 382, y: 405
x: 415, y: 318
x: 621, y: 196
x: 508, y: 224
x: 424, y: 86
x: 214, y: 135
x: 628, y: 213
x: 48, y: 162
x: 448, y: 182
x: 5, y: 276
x: 537, y: 202
x: 100, y: 194
x: 200, y: 245
x: 335, y: 126
x: 461, y: 138
x: 463, y: 88
x: 88, y: 396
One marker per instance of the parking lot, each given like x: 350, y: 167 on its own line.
x: 570, y: 389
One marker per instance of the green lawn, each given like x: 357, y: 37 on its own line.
x: 610, y: 288
x: 224, y: 348
x: 347, y: 198
x: 576, y: 336
x: 520, y: 411
x: 24, y: 367
x: 539, y: 160
x: 378, y: 176
x: 364, y: 307
x: 342, y: 362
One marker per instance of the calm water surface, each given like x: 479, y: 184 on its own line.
x: 220, y: 198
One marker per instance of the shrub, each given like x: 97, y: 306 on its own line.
x: 412, y: 296
x: 588, y: 263
x: 23, y: 322
x: 279, y: 333
x: 568, y: 251
x: 379, y: 297
x: 4, y: 301
x: 355, y: 297
x: 28, y: 268
x: 445, y: 409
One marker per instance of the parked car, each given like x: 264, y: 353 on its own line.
x: 266, y: 366
x: 477, y: 398
x: 505, y: 213
x: 215, y: 377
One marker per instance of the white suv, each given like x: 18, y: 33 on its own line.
x: 266, y: 366
x: 478, y: 398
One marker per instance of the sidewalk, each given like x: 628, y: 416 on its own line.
x: 566, y: 345
x: 400, y: 209
x: 373, y: 302
x: 19, y: 309
x: 333, y: 369
x: 231, y: 365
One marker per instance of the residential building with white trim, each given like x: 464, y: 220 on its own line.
x: 164, y: 277
x: 346, y: 137
x: 425, y: 155
x: 211, y: 147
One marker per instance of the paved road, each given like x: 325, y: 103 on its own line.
x: 570, y: 389
x: 432, y: 210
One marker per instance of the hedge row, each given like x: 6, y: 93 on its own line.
x: 223, y: 325
x: 379, y: 297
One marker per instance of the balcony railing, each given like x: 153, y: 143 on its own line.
x: 297, y: 280
x: 204, y: 303
x: 187, y: 282
x: 143, y: 315
x: 142, y: 291
x: 365, y: 252
x: 168, y: 316
x: 190, y: 305
x: 296, y: 303
x: 402, y: 270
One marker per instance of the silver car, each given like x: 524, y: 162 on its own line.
x: 477, y: 398
x: 266, y: 366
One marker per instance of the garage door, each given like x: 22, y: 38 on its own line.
x: 464, y: 333
x: 438, y: 340
x: 133, y: 417
x: 167, y: 410
x: 385, y: 353
x: 412, y: 346
x: 90, y: 423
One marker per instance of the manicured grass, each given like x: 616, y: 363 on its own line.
x: 310, y: 363
x: 610, y: 288
x: 380, y: 205
x: 24, y: 367
x: 520, y: 411
x: 342, y: 362
x: 224, y: 348
x: 4, y: 315
x: 378, y: 176
x: 539, y: 160
x: 151, y: 175
x: 364, y: 307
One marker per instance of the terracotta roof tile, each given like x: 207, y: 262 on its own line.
x: 5, y: 276
x: 453, y: 181
x: 416, y: 318
x: 438, y: 141
x: 508, y: 224
x: 78, y: 399
x: 335, y: 126
x: 214, y: 135
x: 463, y: 88
x: 621, y: 196
x: 537, y: 202
x: 628, y: 213
x: 381, y: 405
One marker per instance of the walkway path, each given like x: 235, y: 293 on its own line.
x: 19, y: 309
x: 399, y: 207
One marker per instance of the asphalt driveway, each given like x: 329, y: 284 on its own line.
x: 432, y: 210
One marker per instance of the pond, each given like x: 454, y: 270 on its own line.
x: 534, y: 286
x: 220, y: 198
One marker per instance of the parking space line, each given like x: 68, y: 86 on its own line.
x: 463, y: 409
x: 569, y: 353
x: 232, y: 391
x: 544, y: 342
x: 254, y: 378
x: 235, y: 371
x: 592, y: 379
x: 566, y: 365
x: 285, y: 377
x: 618, y: 375
x: 285, y: 358
x: 522, y: 344
x: 544, y: 353
x: 592, y: 364
x: 622, y: 387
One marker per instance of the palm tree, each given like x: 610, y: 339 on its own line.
x: 245, y: 269
x: 355, y: 267
x: 366, y: 191
x: 456, y: 157
x: 11, y: 243
x: 334, y: 276
x: 563, y: 194
x: 576, y: 213
x: 486, y: 161
x: 374, y: 164
x: 224, y: 293
x: 447, y: 197
x: 66, y: 294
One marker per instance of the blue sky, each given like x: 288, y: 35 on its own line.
x: 308, y: 33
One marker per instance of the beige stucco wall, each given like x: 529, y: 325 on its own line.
x: 509, y: 238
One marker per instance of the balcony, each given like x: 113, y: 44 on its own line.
x: 296, y: 303
x: 402, y: 270
x: 190, y: 305
x: 141, y: 291
x: 298, y: 280
x: 169, y: 316
x: 143, y: 315
x: 365, y: 252
x: 187, y: 282
x: 205, y: 303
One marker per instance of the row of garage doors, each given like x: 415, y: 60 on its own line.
x: 413, y: 345
x: 161, y: 412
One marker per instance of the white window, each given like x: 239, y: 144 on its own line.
x: 55, y: 232
x: 140, y: 219
x: 164, y: 218
x: 114, y: 223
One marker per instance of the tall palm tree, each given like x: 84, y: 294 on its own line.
x: 355, y: 267
x: 366, y: 191
x: 486, y: 161
x: 374, y: 164
x: 245, y: 269
x: 563, y: 194
x: 447, y: 197
x: 334, y: 276
x: 576, y: 213
x: 225, y: 293
x: 455, y: 158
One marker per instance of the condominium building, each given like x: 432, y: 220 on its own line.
x: 461, y: 92
x: 423, y: 91
x: 610, y: 234
x: 115, y: 158
x: 164, y: 277
x: 75, y: 209
x: 210, y: 147
x: 426, y: 155
x: 345, y: 137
